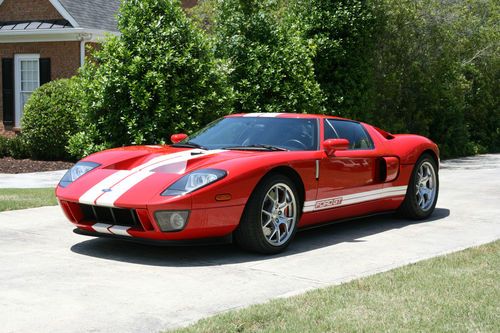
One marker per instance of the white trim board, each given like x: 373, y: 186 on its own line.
x: 54, y: 35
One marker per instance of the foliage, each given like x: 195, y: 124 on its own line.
x: 342, y: 32
x: 159, y: 77
x: 423, y: 67
x: 203, y: 14
x: 4, y: 146
x: 271, y: 65
x: 426, y: 67
x: 434, y: 76
x: 17, y: 147
x: 49, y: 119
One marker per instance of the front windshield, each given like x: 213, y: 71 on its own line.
x: 237, y: 132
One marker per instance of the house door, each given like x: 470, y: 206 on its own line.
x: 27, y: 79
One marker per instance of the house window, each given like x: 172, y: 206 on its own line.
x: 27, y: 79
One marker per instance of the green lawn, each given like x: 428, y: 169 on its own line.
x: 11, y: 199
x: 459, y: 292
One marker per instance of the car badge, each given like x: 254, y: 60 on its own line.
x: 105, y: 190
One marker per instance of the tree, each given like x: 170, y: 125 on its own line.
x: 159, y: 77
x: 271, y: 68
x: 342, y: 31
x: 435, y: 73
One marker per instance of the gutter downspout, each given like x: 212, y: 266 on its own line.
x: 83, y: 38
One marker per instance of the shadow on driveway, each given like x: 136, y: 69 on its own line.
x: 213, y: 255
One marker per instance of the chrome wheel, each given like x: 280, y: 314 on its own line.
x: 278, y: 214
x: 425, y: 186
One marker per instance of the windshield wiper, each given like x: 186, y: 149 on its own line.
x: 189, y: 144
x: 258, y: 147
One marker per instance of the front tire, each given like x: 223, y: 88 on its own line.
x: 423, y: 189
x: 271, y: 215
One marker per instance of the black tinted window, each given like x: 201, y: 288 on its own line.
x: 352, y: 131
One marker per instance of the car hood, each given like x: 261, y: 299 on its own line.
x: 130, y: 175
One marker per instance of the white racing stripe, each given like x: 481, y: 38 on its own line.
x: 108, y: 199
x: 95, y: 191
x: 338, y: 201
x: 120, y: 230
x: 106, y: 192
x: 262, y: 115
x: 102, y: 228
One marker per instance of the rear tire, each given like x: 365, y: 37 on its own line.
x: 271, y: 215
x: 423, y: 189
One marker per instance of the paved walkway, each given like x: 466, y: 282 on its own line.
x: 31, y: 180
x: 52, y: 280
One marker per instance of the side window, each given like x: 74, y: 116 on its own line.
x: 352, y: 131
x: 330, y: 132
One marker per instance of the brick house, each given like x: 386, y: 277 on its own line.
x: 42, y: 40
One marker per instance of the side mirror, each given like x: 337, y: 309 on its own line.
x: 332, y: 145
x: 175, y: 138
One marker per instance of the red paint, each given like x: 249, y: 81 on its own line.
x: 175, y: 138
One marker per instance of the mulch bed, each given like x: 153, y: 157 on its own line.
x: 10, y: 165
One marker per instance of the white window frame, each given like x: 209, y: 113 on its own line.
x: 17, y: 83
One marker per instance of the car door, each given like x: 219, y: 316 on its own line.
x: 349, y: 176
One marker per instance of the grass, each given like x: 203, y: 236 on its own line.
x: 459, y: 292
x: 12, y: 199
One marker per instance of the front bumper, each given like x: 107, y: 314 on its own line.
x: 139, y: 223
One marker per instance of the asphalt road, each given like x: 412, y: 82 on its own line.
x: 52, y: 280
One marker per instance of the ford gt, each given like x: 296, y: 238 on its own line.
x: 253, y: 178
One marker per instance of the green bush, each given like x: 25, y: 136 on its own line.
x: 49, y: 119
x: 342, y: 32
x: 4, y: 146
x: 271, y: 65
x: 437, y: 73
x: 407, y: 66
x: 159, y: 77
x: 17, y: 147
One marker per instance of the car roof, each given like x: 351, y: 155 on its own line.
x: 282, y: 115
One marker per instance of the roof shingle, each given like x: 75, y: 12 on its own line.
x: 93, y: 14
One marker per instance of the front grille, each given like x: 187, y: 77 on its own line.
x: 108, y: 215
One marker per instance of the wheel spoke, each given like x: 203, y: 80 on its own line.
x: 279, y: 214
x: 267, y: 213
x: 425, y: 189
x: 267, y: 223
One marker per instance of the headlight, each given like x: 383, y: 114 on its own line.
x: 194, y: 180
x: 78, y: 170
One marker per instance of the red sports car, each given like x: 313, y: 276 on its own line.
x: 254, y: 178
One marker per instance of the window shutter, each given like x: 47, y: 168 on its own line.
x: 44, y: 70
x: 8, y: 90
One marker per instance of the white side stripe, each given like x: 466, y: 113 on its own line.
x: 350, y: 199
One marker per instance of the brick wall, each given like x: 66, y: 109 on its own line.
x: 64, y: 58
x: 21, y: 10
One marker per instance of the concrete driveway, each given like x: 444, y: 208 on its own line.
x: 52, y: 280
